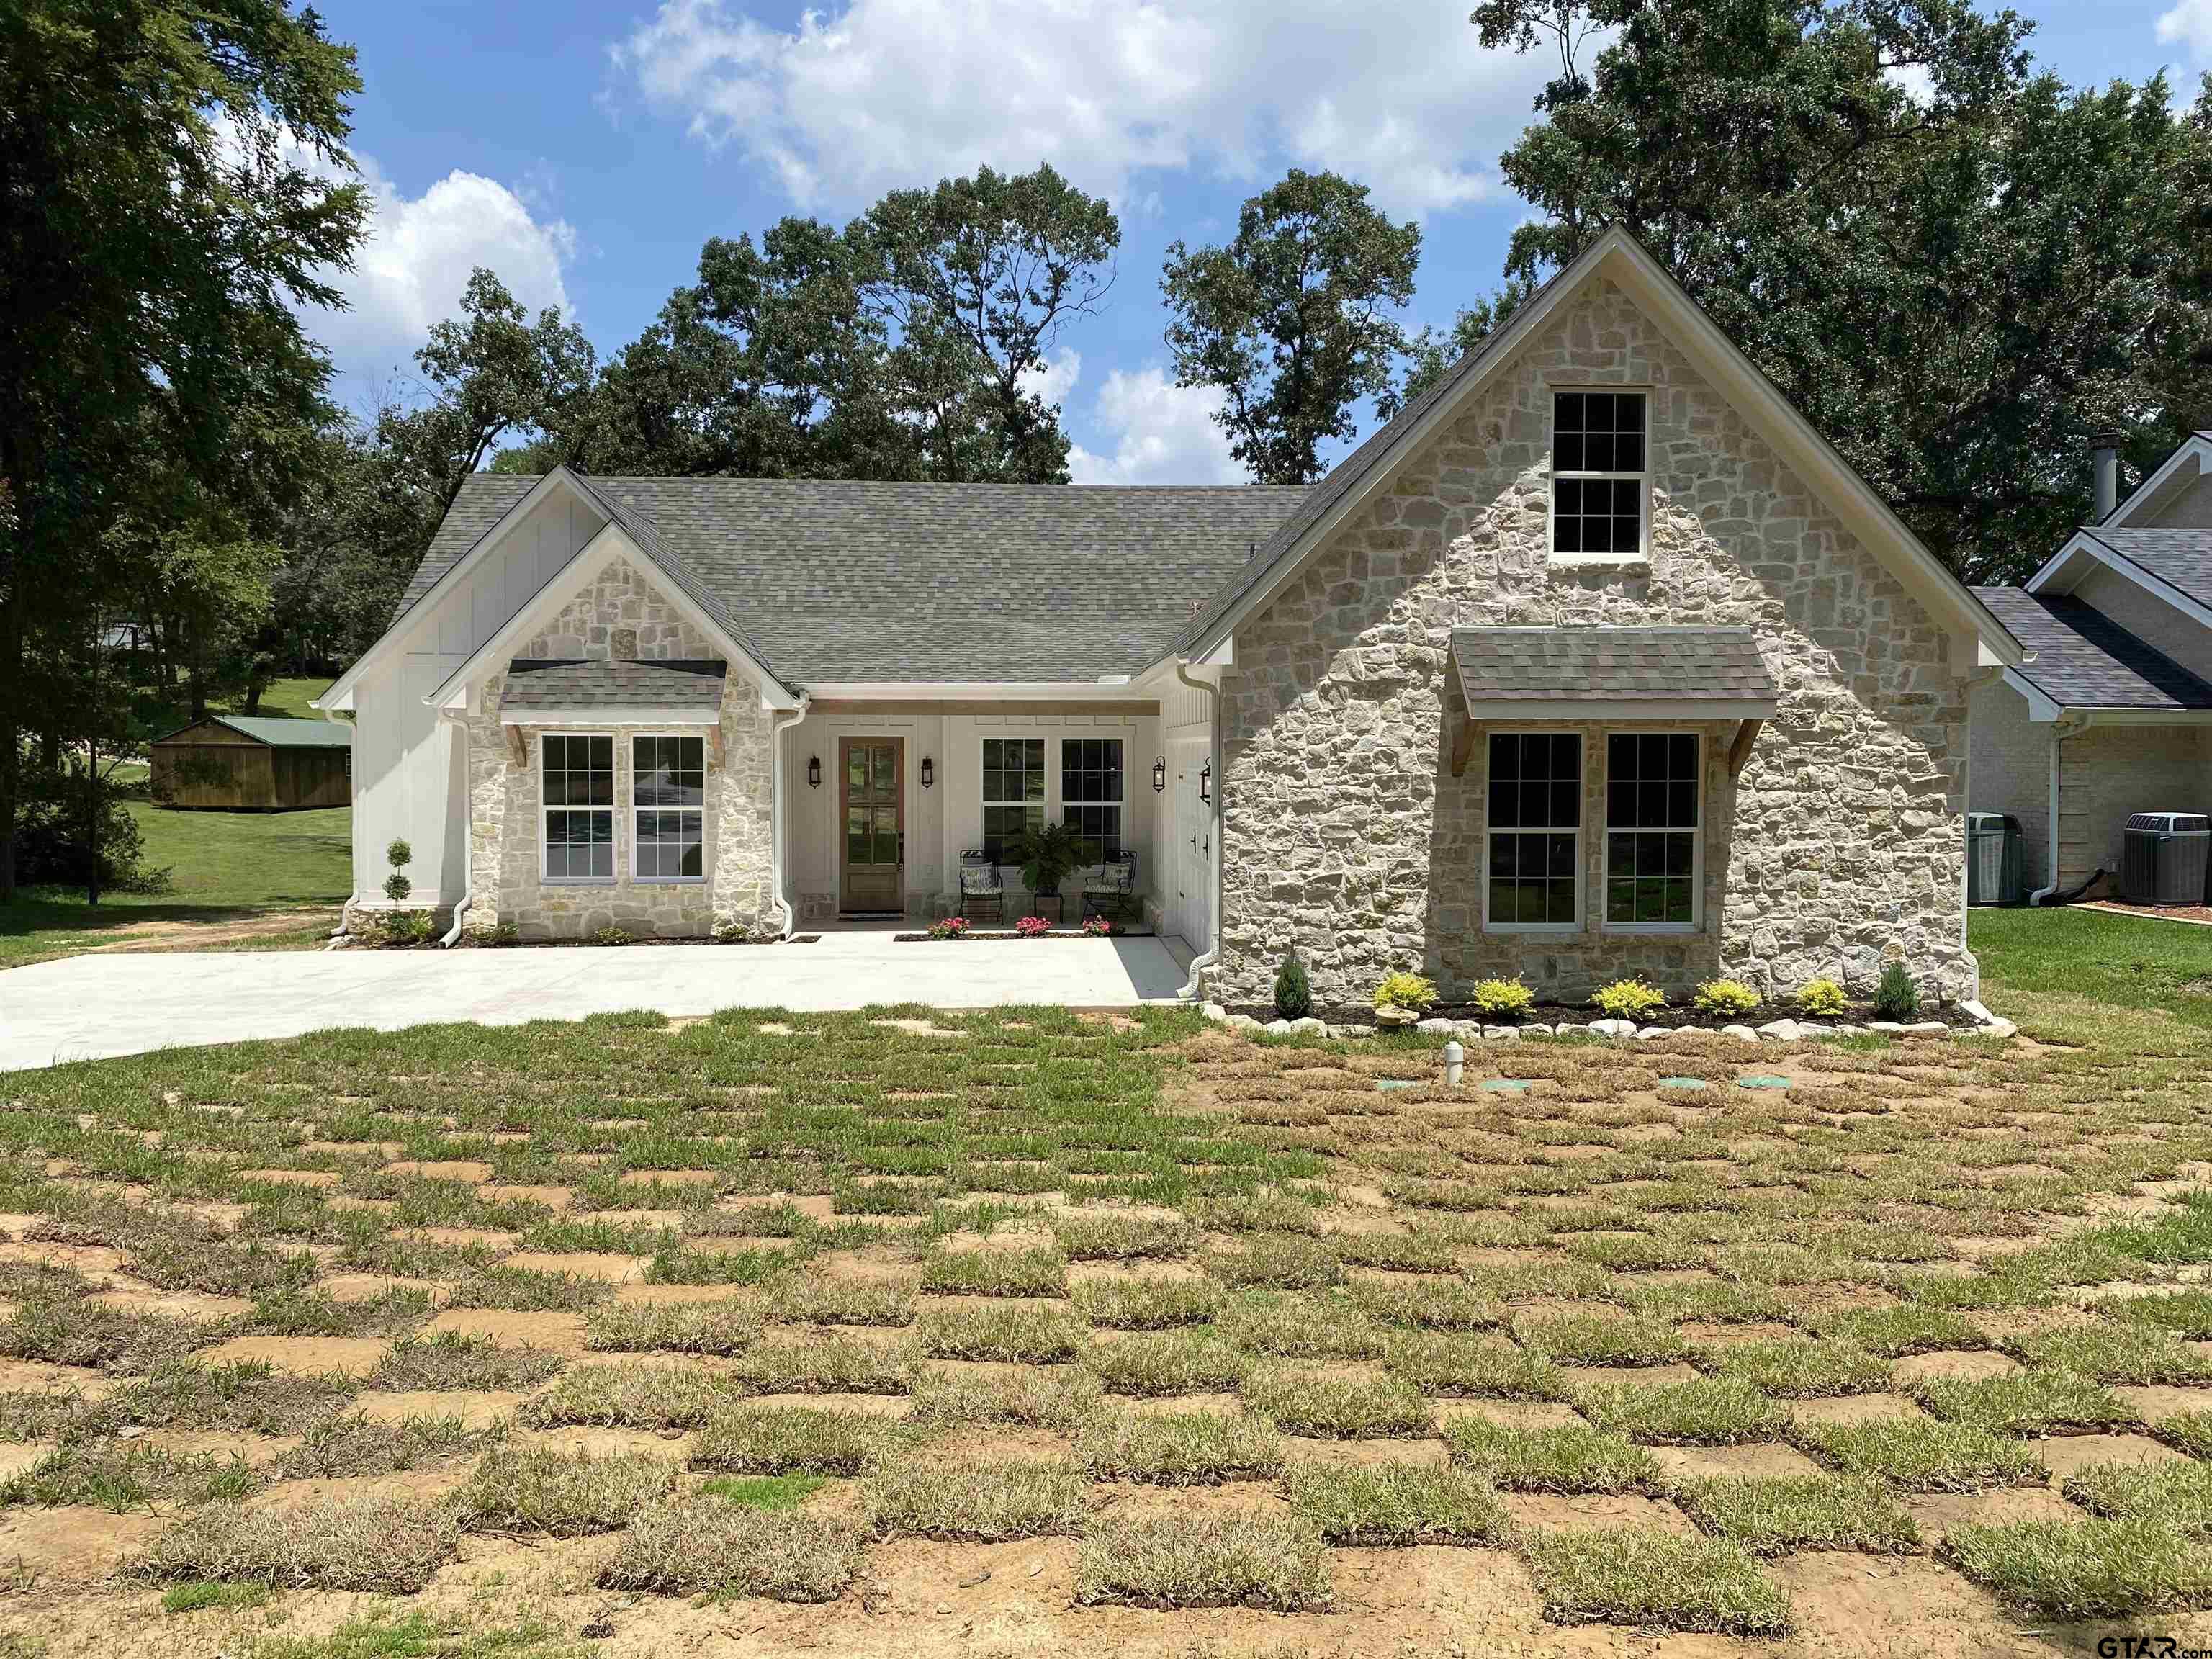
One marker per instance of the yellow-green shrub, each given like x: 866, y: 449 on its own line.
x: 1725, y: 996
x: 1628, y: 999
x: 1821, y: 996
x: 1406, y: 991
x: 1506, y: 997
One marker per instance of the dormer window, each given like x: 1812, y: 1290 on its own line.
x: 1601, y: 475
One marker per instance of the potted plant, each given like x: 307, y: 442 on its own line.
x: 1048, y: 853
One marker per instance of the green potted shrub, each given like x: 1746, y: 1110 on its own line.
x: 1047, y: 853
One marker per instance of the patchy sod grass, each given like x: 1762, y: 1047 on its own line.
x: 82, y: 1332
x: 1921, y: 1454
x: 1053, y: 1398
x: 664, y: 1399
x: 1016, y: 1497
x: 814, y: 1299
x: 1592, y: 1340
x: 1334, y: 1405
x: 352, y: 1444
x: 393, y: 1312
x: 1283, y: 1261
x: 385, y: 1544
x: 2178, y: 1495
x: 1148, y: 1304
x: 1453, y: 1365
x: 2187, y: 1431
x: 705, y: 1545
x: 121, y: 1476
x: 564, y: 1494
x: 1778, y: 1514
x: 450, y: 1360
x: 1388, y: 1503
x: 1091, y: 1235
x: 1432, y: 1303
x: 204, y: 1596
x: 1794, y: 1367
x: 1570, y: 1458
x: 249, y: 1395
x: 1041, y: 1270
x: 2029, y: 1403
x: 1013, y: 1334
x: 1638, y: 1576
x: 750, y: 1439
x: 2086, y: 1569
x: 1289, y: 1325
x: 1702, y: 1410
x: 1178, y: 1449
x: 2121, y: 1352
x: 821, y: 1365
x: 1204, y: 1561
x: 2186, y: 1313
x: 1153, y: 1364
x: 529, y: 1290
x: 1892, y: 1333
x: 763, y: 1491
x: 711, y: 1328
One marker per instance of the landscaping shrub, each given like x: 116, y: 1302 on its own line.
x: 1293, y: 988
x: 1032, y: 927
x: 1731, y: 997
x: 1408, y: 991
x: 948, y: 927
x: 1822, y: 997
x: 1501, y: 999
x: 1896, y: 997
x: 1628, y: 999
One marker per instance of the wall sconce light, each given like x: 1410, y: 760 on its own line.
x: 1206, y: 782
x: 928, y: 771
x: 1159, y: 775
x: 814, y: 771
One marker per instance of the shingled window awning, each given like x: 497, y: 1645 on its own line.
x: 1612, y: 673
x: 559, y: 693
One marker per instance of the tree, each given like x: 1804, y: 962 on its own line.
x: 174, y: 181
x: 1429, y: 354
x: 1956, y: 268
x: 1291, y: 320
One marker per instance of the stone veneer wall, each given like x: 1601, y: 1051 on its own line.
x: 620, y: 616
x: 1840, y: 846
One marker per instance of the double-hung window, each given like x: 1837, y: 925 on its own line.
x: 1536, y: 824
x: 1013, y: 792
x: 1654, y: 793
x: 1601, y: 480
x: 578, y: 777
x: 668, y: 794
x: 1090, y: 794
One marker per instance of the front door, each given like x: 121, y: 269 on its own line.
x: 871, y: 774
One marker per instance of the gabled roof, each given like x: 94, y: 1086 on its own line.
x: 2192, y: 456
x: 2084, y: 660
x: 276, y: 733
x: 2180, y: 557
x: 614, y: 689
x: 1505, y: 672
x: 1616, y: 255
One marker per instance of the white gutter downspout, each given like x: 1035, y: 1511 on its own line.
x: 2059, y: 732
x: 1212, y: 954
x: 339, y: 932
x: 468, y: 853
x: 776, y: 728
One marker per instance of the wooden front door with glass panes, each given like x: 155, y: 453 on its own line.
x: 871, y: 773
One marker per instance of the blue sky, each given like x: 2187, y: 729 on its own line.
x: 586, y: 151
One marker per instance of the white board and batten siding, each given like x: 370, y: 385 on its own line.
x: 410, y: 774
x: 1182, y: 841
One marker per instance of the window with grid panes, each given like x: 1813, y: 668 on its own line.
x: 1090, y: 794
x: 1535, y: 831
x: 668, y: 794
x: 577, y: 796
x: 1013, y: 792
x: 1653, y: 803
x: 1600, y: 475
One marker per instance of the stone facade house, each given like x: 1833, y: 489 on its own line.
x: 1595, y: 661
x: 2113, y: 715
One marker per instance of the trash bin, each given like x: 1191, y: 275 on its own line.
x: 1997, y: 854
x: 2162, y: 858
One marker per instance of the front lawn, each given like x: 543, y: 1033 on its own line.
x: 230, y: 871
x: 2130, y: 962
x: 1054, y: 1315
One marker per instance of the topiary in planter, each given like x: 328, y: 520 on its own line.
x: 1293, y: 988
x: 1896, y: 997
x: 397, y: 887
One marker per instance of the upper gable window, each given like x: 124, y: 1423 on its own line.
x: 1600, y: 477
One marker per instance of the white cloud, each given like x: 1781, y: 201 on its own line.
x: 414, y: 261
x: 1162, y: 433
x: 882, y: 92
x: 1916, y: 81
x: 2189, y: 22
x: 1055, y: 378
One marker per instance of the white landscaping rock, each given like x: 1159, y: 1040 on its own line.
x: 1433, y: 1027
x: 1782, y: 1030
x: 1243, y: 1023
x: 1309, y: 1025
x: 1741, y: 1033
x: 1501, y: 1034
x: 1390, y: 1014
x: 1650, y: 1031
x: 1277, y: 1027
x: 1886, y: 1027
x: 1215, y: 1010
x: 1927, y: 1028
x: 1612, y: 1028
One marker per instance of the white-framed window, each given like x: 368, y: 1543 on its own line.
x: 576, y: 796
x: 1654, y: 819
x: 1600, y: 474
x: 1090, y: 794
x: 1533, y: 834
x: 668, y: 797
x: 1013, y: 794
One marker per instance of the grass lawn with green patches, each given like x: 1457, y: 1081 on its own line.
x: 2134, y: 962
x: 774, y: 1304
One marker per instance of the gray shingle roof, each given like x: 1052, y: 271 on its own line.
x: 2084, y: 660
x: 1511, y: 666
x: 533, y: 684
x: 2181, y: 558
x: 839, y: 580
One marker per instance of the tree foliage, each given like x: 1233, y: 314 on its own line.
x: 1292, y: 319
x: 1957, y: 266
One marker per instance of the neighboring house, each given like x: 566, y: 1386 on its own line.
x: 231, y: 762
x: 2113, y: 715
x: 1597, y: 659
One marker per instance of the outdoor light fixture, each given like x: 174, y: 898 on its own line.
x: 814, y: 771
x: 1159, y: 775
x: 1206, y: 782
x: 928, y: 771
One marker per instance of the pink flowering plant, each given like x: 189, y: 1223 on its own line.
x: 1033, y: 928
x: 948, y: 927
x: 1102, y: 927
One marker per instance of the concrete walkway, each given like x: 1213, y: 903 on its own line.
x: 89, y: 1007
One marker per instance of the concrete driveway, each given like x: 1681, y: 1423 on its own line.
x: 89, y: 1007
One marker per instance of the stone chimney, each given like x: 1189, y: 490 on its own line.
x: 2104, y: 474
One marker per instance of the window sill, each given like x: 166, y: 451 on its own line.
x: 1600, y: 561
x: 1676, y: 928
x: 668, y: 881
x: 578, y: 881
x: 1554, y: 928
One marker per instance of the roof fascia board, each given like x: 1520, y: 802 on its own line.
x: 609, y: 716
x: 981, y: 690
x: 559, y: 478
x: 2058, y: 573
x: 1620, y: 708
x: 2104, y: 716
x: 2113, y: 559
x: 2194, y: 447
x: 2041, y: 708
